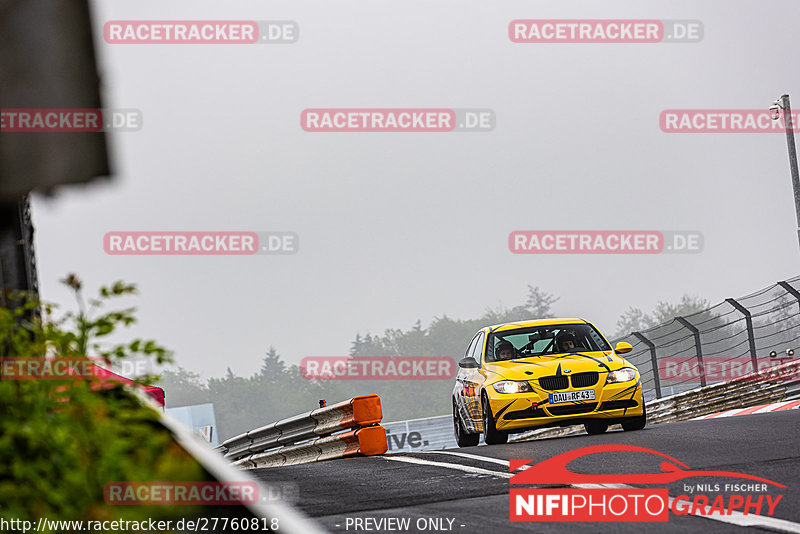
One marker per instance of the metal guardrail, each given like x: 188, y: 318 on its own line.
x: 736, y: 333
x: 368, y: 441
x: 306, y: 437
x: 769, y: 385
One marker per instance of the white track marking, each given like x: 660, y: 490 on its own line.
x: 457, y: 467
x: 780, y: 406
x: 467, y: 455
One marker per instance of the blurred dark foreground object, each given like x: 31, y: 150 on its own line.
x: 47, y: 61
x: 17, y: 260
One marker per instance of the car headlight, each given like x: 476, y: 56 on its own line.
x: 621, y: 375
x: 512, y: 386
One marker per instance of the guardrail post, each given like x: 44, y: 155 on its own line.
x: 697, y: 345
x: 653, y: 360
x: 792, y: 291
x: 750, y: 334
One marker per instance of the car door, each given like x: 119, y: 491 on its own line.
x: 473, y: 382
x: 464, y: 388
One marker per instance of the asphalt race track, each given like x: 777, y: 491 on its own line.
x: 471, y: 493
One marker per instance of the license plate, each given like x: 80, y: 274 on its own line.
x: 572, y: 396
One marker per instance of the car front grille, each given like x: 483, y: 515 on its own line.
x: 555, y: 382
x: 585, y: 380
x: 572, y: 409
x: 579, y: 380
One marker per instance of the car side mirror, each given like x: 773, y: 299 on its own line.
x: 623, y: 347
x: 468, y: 363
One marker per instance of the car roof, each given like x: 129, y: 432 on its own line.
x: 536, y: 322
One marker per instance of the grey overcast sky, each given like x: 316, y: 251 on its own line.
x: 396, y: 227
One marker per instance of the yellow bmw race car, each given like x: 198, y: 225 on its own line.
x: 550, y: 372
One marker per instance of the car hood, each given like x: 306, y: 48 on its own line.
x: 538, y: 366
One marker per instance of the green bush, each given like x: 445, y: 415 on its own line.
x: 61, y: 442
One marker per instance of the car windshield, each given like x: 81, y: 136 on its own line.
x: 543, y: 340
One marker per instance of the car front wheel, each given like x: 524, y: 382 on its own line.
x: 636, y: 423
x: 491, y: 435
x: 595, y: 427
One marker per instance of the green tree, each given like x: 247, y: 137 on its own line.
x: 688, y: 305
x: 539, y: 303
x: 272, y: 368
x: 183, y: 388
x: 634, y: 319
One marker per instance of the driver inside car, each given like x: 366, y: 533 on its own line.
x: 565, y: 342
x: 505, y: 351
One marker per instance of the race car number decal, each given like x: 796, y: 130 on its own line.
x: 572, y: 396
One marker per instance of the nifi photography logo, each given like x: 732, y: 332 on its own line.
x: 613, y: 498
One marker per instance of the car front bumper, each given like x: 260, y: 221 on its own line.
x: 525, y: 411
